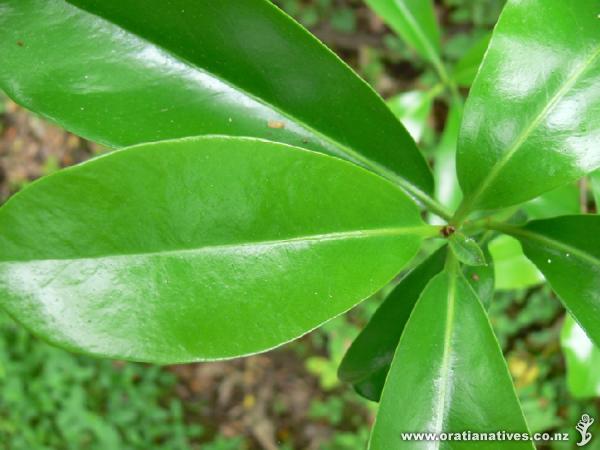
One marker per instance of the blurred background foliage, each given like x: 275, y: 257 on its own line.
x: 291, y: 399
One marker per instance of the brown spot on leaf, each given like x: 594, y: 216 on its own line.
x: 20, y: 43
x: 276, y: 124
x: 475, y: 277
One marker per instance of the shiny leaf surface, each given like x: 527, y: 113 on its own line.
x: 532, y: 120
x: 198, y: 249
x: 123, y: 73
x: 582, y: 359
x: 369, y: 357
x: 458, y: 386
x: 567, y: 251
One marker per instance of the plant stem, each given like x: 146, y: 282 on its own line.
x: 502, y: 227
x: 431, y: 204
x: 461, y: 214
x: 452, y: 264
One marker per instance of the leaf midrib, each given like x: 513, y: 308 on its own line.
x: 421, y: 231
x: 350, y: 153
x: 442, y: 398
x: 525, y: 134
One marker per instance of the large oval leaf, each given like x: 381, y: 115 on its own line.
x: 133, y: 71
x: 532, y: 120
x: 567, y: 251
x: 459, y: 385
x: 201, y: 248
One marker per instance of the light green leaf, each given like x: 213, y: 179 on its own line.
x: 583, y: 360
x: 413, y: 109
x: 567, y: 251
x: 512, y: 269
x: 415, y: 22
x: 466, y: 249
x: 559, y: 202
x: 532, y: 120
x: 134, y: 71
x: 458, y: 386
x: 199, y: 249
x: 447, y: 189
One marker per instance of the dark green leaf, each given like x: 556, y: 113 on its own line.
x: 567, y: 251
x: 532, y: 119
x: 134, y: 71
x: 444, y: 382
x: 466, y: 249
x: 201, y: 248
x: 372, y: 351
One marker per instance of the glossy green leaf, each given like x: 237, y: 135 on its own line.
x: 595, y: 182
x: 368, y: 359
x: 201, y: 248
x: 415, y: 22
x: 458, y: 386
x: 133, y: 71
x: 466, y: 68
x: 567, y: 251
x: 582, y: 359
x: 466, y: 249
x: 413, y: 109
x: 512, y: 269
x: 559, y: 202
x: 532, y: 120
x: 447, y: 189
